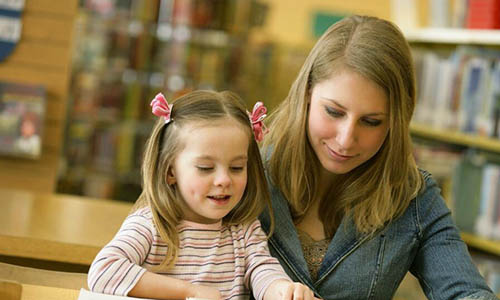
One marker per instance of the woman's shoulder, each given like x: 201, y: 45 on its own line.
x: 426, y: 175
x: 429, y: 200
x: 430, y: 187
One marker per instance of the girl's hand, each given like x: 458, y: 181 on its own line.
x: 286, y: 290
x: 204, y: 292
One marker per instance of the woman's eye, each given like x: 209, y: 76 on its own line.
x: 333, y: 112
x: 372, y: 122
x: 237, y: 169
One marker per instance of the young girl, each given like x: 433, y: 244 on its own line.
x: 194, y: 231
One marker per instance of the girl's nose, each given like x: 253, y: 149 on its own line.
x: 222, y: 178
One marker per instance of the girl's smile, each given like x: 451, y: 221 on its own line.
x: 220, y: 199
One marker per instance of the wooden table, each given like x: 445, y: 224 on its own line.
x: 54, y: 227
x: 36, y: 292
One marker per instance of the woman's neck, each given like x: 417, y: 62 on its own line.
x: 325, y: 182
x: 311, y: 222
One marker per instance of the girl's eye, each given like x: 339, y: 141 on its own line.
x: 204, y: 168
x: 237, y: 169
x: 372, y: 122
x: 333, y: 112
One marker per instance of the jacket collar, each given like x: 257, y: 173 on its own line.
x: 286, y: 242
x: 345, y: 240
x: 285, y: 239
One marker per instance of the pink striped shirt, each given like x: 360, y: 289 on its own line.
x: 232, y: 259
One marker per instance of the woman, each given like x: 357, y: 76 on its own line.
x: 353, y: 212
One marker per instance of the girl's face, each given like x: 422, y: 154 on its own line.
x: 348, y: 121
x: 211, y: 170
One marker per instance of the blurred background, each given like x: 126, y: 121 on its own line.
x: 95, y: 65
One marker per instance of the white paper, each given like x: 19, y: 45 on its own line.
x: 88, y: 295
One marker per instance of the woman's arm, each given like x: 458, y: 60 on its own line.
x: 443, y: 264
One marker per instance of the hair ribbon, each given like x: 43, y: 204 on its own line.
x: 161, y: 108
x: 256, y: 118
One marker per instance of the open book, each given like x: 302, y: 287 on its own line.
x: 88, y: 295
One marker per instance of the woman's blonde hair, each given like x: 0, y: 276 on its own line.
x: 163, y: 147
x: 380, y: 189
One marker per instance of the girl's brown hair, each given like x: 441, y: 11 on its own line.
x: 380, y: 189
x: 164, y: 145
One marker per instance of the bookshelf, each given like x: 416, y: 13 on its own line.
x: 454, y: 36
x: 480, y: 243
x: 456, y: 128
x: 456, y: 137
x: 126, y: 53
x: 42, y: 57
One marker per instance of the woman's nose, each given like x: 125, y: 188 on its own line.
x: 346, y: 135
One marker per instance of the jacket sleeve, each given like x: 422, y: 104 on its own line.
x: 261, y: 268
x: 117, y: 267
x: 443, y: 265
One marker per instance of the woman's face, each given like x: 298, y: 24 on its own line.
x: 348, y: 121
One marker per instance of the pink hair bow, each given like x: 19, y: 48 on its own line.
x: 256, y: 117
x: 161, y: 108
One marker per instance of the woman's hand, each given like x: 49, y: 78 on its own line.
x: 204, y: 292
x: 287, y: 290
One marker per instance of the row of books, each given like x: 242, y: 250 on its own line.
x: 233, y: 16
x: 460, y: 91
x: 103, y: 160
x: 483, y: 14
x: 471, y: 14
x: 470, y: 183
x: 123, y: 57
x: 476, y: 194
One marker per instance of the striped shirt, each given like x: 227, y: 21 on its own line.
x: 232, y: 259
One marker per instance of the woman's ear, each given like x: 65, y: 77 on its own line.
x: 171, y: 176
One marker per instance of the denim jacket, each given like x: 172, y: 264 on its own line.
x: 424, y: 241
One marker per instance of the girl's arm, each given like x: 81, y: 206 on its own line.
x: 117, y: 268
x: 264, y: 274
x: 286, y: 290
x: 156, y: 286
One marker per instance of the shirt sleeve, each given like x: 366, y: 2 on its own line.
x: 261, y: 268
x: 117, y: 267
x: 443, y: 264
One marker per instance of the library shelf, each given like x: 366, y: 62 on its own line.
x: 456, y: 137
x: 451, y: 54
x: 477, y: 242
x: 454, y: 36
